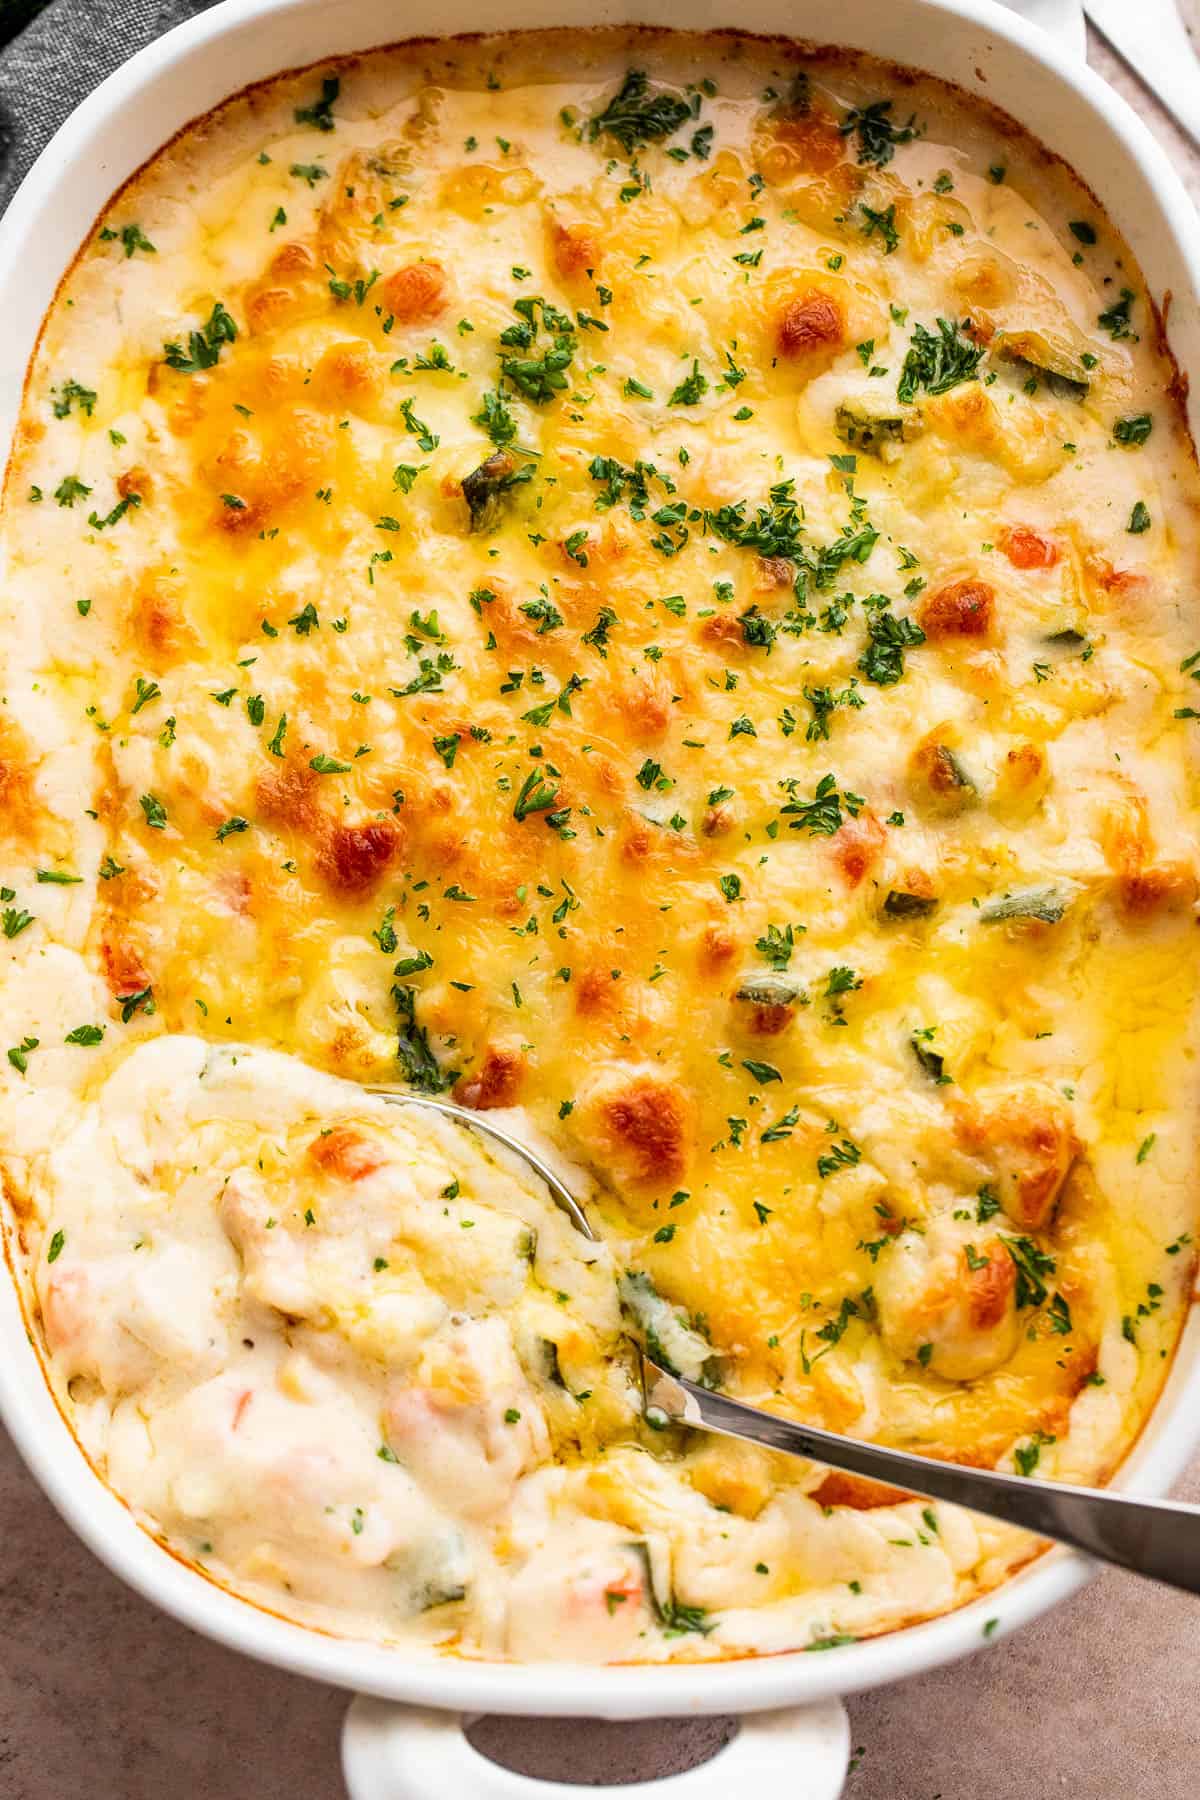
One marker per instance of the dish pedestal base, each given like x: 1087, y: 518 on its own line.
x: 394, y: 1752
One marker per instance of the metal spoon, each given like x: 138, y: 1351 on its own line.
x: 1158, y: 1538
x: 1151, y: 37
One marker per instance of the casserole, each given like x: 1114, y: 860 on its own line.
x: 290, y: 35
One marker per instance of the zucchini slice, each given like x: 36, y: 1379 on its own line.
x: 1047, y: 904
x: 485, y: 488
x: 1034, y: 355
x: 876, y: 434
x: 668, y: 1337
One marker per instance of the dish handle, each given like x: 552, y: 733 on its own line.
x: 392, y: 1752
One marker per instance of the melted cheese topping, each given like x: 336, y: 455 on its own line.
x: 653, y: 600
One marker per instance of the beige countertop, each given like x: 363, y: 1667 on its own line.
x: 103, y: 1697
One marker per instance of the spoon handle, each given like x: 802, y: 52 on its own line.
x: 1158, y: 1538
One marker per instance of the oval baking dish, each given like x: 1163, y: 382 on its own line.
x: 981, y: 50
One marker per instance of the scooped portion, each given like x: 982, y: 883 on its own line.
x: 358, y: 1365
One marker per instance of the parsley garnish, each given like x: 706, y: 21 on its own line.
x: 844, y: 1155
x: 132, y: 238
x: 638, y: 114
x: 71, y: 393
x: 421, y: 1067
x: 777, y: 945
x: 938, y: 363
x: 884, y: 223
x: 320, y: 113
x: 822, y: 815
x: 1026, y: 1456
x: 678, y: 1619
x: 87, y: 1035
x: 1133, y: 430
x: 824, y: 702
x: 692, y: 389
x: 204, y: 346
x: 124, y: 505
x: 877, y: 133
x: 536, y: 795
x: 1116, y: 320
x: 888, y: 638
x: 495, y: 418
x: 70, y: 489
x: 426, y: 439
x: 538, y: 378
x: 1031, y: 1264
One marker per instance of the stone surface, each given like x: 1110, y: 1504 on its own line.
x: 104, y: 1697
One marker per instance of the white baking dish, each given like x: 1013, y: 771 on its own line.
x: 798, y: 1741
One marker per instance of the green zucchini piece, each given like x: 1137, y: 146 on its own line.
x: 485, y: 488
x: 932, y: 1061
x: 1031, y: 353
x: 668, y: 1337
x: 672, y: 1614
x: 439, y: 1572
x: 876, y: 434
x: 1048, y: 904
x: 950, y: 786
x: 900, y: 905
x: 547, y: 1362
x: 768, y: 989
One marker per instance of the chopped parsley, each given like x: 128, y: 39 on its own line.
x: 320, y: 113
x: 1134, y: 429
x: 638, y: 114
x: 822, y: 815
x: 1116, y: 318
x: 883, y: 224
x: 86, y: 1035
x: 877, y: 132
x: 70, y: 394
x: 131, y: 238
x: 204, y: 346
x: 70, y: 489
x: 938, y: 361
x: 692, y: 389
x: 1032, y: 1264
x: 495, y: 419
x: 888, y: 637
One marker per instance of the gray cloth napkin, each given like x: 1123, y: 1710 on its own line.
x: 59, y: 57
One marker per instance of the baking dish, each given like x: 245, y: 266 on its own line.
x: 390, y: 1748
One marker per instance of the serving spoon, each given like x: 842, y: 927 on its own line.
x: 1158, y: 1538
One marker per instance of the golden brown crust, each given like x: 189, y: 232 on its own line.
x: 810, y: 323
x: 964, y: 609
